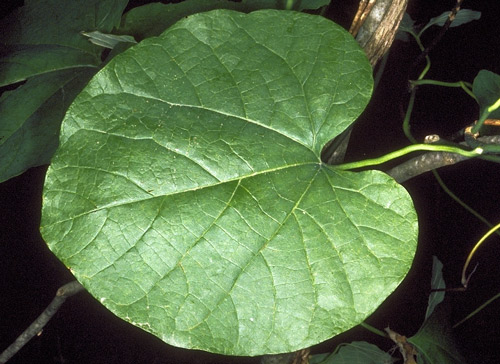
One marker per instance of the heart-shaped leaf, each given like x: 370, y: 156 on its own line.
x: 189, y: 197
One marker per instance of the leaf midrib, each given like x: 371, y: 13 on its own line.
x: 120, y: 204
x: 204, y: 108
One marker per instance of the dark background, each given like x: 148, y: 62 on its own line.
x: 84, y: 332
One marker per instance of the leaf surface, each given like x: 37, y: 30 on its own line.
x: 189, y: 197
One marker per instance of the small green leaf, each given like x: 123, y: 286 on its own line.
x: 189, y: 197
x: 108, y: 40
x: 357, y: 352
x: 486, y: 88
x: 437, y: 282
x: 463, y: 16
x: 406, y: 26
x: 434, y: 341
x: 312, y: 4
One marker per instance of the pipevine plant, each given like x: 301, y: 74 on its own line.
x: 186, y: 190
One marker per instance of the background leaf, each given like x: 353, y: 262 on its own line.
x: 24, y: 61
x: 152, y: 19
x: 357, y: 352
x: 463, y: 16
x: 56, y: 22
x: 437, y: 282
x: 486, y: 88
x: 434, y: 340
x: 189, y: 197
x: 34, y: 141
x: 43, y: 45
x: 406, y: 26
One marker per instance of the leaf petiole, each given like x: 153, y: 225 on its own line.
x: 410, y: 149
x: 373, y: 329
x: 473, y: 251
x: 466, y: 86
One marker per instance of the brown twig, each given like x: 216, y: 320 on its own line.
x: 440, y: 35
x: 432, y: 160
x: 377, y: 32
x: 36, y: 326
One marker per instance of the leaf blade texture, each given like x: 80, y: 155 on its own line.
x: 189, y: 197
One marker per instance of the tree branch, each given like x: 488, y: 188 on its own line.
x: 374, y: 26
x: 432, y: 160
x: 36, y: 326
x: 377, y: 32
x: 441, y: 33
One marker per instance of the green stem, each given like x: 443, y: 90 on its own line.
x: 466, y: 86
x: 406, y: 121
x: 495, y: 106
x: 484, y: 116
x: 409, y: 149
x: 477, y: 310
x: 373, y: 329
x: 422, y: 48
x: 473, y: 251
x: 460, y: 202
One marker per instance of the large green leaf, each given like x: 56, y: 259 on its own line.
x: 189, y: 197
